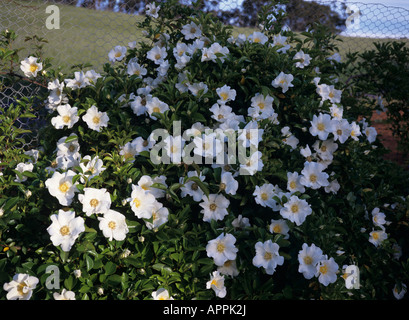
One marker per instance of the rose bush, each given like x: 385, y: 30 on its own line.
x: 113, y: 204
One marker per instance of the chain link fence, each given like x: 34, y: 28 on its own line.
x: 84, y: 31
x: 87, y: 29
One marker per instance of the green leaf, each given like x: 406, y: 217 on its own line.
x: 200, y: 183
x: 29, y: 174
x: 114, y: 280
x: 89, y: 262
x: 10, y: 203
x: 69, y: 283
x: 110, y: 268
x: 71, y: 138
x: 28, y: 115
x: 159, y: 186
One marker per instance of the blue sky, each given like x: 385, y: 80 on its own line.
x: 379, y: 22
x: 379, y: 18
x: 395, y: 3
x: 376, y: 20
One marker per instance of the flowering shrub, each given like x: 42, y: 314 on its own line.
x: 380, y: 79
x: 286, y: 188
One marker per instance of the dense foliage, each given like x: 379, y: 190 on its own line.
x: 380, y: 78
x: 92, y: 204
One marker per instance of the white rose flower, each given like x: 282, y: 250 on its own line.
x: 113, y: 225
x: 283, y: 81
x: 21, y: 287
x: 96, y: 119
x: 267, y: 256
x: 95, y: 201
x: 117, y: 53
x: 64, y: 295
x: 214, y: 207
x: 222, y: 249
x: 161, y: 294
x: 60, y: 186
x: 217, y: 284
x: 30, y: 66
x: 67, y: 116
x: 65, y: 229
x: 142, y: 202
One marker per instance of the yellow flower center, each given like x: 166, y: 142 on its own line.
x: 20, y: 288
x: 228, y: 263
x: 71, y: 148
x: 268, y: 255
x: 313, y: 178
x: 214, y: 282
x: 331, y: 95
x: 307, y: 260
x: 293, y: 184
x: 157, y: 56
x: 66, y: 119
x: 323, y: 148
x: 282, y: 81
x: 222, y: 186
x: 261, y: 105
x: 294, y: 208
x: 213, y: 207
x: 96, y: 120
x: 156, y: 109
x: 375, y: 235
x: 112, y: 225
x: 339, y: 132
x: 220, y: 247
x: 257, y: 40
x: 320, y: 126
x: 64, y: 230
x: 277, y: 228
x: 323, y: 269
x: 128, y: 155
x: 224, y: 95
x: 64, y: 187
x: 94, y: 203
x: 264, y: 196
x: 33, y: 68
x: 137, y: 202
x: 118, y: 54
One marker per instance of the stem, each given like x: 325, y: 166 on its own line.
x: 24, y: 78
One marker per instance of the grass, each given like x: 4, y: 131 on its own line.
x: 87, y: 35
x: 84, y: 36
